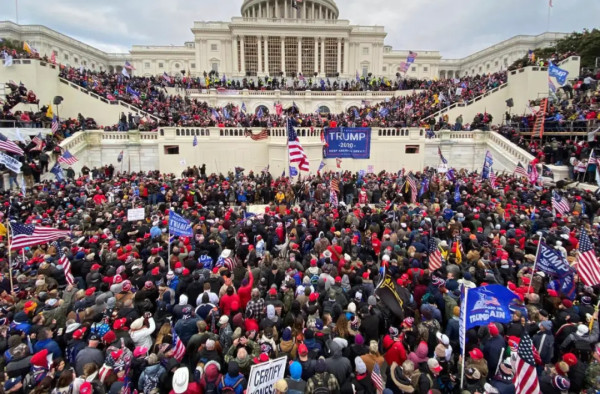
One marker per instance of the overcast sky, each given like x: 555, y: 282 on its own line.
x: 456, y: 28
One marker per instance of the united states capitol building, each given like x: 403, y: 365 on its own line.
x: 271, y: 37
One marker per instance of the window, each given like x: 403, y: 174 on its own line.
x: 171, y: 149
x: 147, y: 65
x: 66, y: 57
x: 177, y: 65
x: 275, y: 56
x: 192, y: 65
x: 161, y: 65
x: 214, y: 47
x: 365, y: 51
x: 487, y: 66
x: 425, y: 69
x: 331, y: 57
x: 411, y: 149
x: 85, y: 63
x: 215, y: 67
x: 414, y: 69
x: 308, y: 56
x: 76, y: 60
x: 251, y: 54
x: 365, y: 71
x: 93, y: 66
x: 496, y: 63
x: 291, y: 56
x: 384, y: 69
x: 323, y: 110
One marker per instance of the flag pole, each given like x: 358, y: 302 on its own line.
x: 464, y: 338
x: 9, y: 235
x: 549, y: 12
x: 535, y: 262
x: 169, y: 242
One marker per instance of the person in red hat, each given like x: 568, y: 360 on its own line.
x: 493, y: 347
x: 476, y: 359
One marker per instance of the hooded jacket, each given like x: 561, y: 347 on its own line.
x: 337, y: 364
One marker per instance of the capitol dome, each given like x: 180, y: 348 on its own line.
x: 306, y: 9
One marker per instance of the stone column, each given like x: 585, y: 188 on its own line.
x: 243, y: 56
x: 313, y: 11
x: 299, y: 54
x: 234, y: 54
x: 346, y: 57
x: 283, y: 55
x: 285, y: 10
x: 266, y: 55
x: 316, y: 53
x: 323, y: 57
x: 259, y: 42
x: 339, y: 55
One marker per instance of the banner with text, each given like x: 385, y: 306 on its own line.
x: 347, y: 142
x: 10, y: 162
x: 263, y: 376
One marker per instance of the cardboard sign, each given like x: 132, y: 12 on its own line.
x: 263, y: 376
x: 136, y: 214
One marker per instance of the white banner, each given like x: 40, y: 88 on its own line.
x: 263, y: 376
x: 135, y: 214
x: 11, y: 163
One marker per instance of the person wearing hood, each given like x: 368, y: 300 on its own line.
x: 419, y: 356
x: 322, y: 379
x: 296, y: 385
x: 337, y: 364
x: 233, y: 379
x: 400, y: 379
x: 186, y: 326
x: 178, y: 309
x: 211, y: 377
x: 361, y: 382
x: 394, y: 351
x: 287, y: 345
x: 152, y: 374
x: 272, y: 320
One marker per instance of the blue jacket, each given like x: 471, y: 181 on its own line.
x: 230, y: 382
x: 50, y: 345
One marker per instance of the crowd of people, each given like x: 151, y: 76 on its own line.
x: 295, y: 279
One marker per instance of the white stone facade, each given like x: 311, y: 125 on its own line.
x: 270, y: 38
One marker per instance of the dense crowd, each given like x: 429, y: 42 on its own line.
x: 296, y: 279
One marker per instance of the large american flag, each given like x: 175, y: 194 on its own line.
x: 9, y: 146
x: 54, y: 124
x: 435, y: 256
x: 178, y: 346
x: 377, y: 379
x: 335, y: 184
x: 559, y: 203
x: 525, y: 380
x: 413, y: 187
x: 67, y: 158
x: 39, y: 142
x: 492, y: 178
x: 66, y: 264
x: 24, y: 235
x: 295, y: 150
x: 588, y: 267
x: 520, y: 170
x: 263, y: 135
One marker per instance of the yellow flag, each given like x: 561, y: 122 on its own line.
x: 49, y: 113
x: 458, y: 254
x: 26, y: 47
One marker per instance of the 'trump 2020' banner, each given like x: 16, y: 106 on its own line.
x: 347, y: 142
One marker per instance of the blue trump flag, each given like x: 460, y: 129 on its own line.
x: 457, y: 193
x: 293, y: 171
x: 558, y: 73
x: 179, y: 226
x: 484, y: 305
x: 58, y: 172
x: 552, y: 262
x: 487, y: 164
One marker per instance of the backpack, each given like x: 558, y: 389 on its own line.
x: 210, y: 387
x: 321, y: 384
x: 229, y: 389
x: 150, y: 383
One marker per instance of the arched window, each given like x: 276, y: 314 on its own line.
x: 265, y: 110
x: 323, y: 110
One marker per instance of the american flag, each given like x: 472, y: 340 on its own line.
x: 413, y: 187
x: 435, y: 256
x: 442, y: 158
x: 588, y: 267
x: 39, y: 142
x: 377, y: 379
x: 66, y: 264
x: 492, y: 178
x: 178, y: 346
x: 9, y: 146
x: 533, y: 173
x: 67, y: 158
x: 166, y: 77
x: 525, y: 380
x: 592, y: 159
x: 29, y: 235
x: 54, y: 124
x: 295, y: 150
x: 129, y: 66
x: 263, y: 135
x: 335, y: 184
x: 559, y: 203
x: 411, y: 57
x: 520, y: 170
x: 333, y: 198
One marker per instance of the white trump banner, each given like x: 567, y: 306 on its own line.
x: 135, y: 214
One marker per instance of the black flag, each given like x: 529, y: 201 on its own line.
x: 388, y: 293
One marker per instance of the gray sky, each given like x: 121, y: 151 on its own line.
x: 456, y: 28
